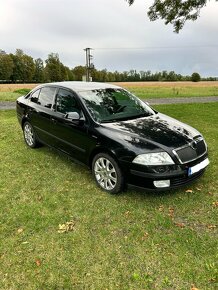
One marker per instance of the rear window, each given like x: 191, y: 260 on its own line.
x: 34, y: 97
x: 46, y: 97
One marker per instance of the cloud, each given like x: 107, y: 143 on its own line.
x: 68, y: 26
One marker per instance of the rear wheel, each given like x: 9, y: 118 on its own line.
x: 30, y: 136
x: 107, y: 173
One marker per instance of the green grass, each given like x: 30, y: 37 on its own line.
x: 173, y: 92
x: 12, y: 96
x: 22, y: 91
x: 135, y: 240
x: 9, y: 96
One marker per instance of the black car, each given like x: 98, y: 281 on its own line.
x: 117, y: 135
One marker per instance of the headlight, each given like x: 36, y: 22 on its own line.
x: 159, y: 158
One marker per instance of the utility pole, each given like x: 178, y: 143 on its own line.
x: 89, y: 65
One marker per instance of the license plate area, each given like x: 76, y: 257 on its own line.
x: 196, y: 168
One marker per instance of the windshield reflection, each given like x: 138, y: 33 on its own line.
x: 110, y: 105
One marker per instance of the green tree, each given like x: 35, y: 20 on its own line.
x: 103, y: 75
x: 17, y: 70
x: 176, y: 12
x: 64, y: 74
x: 70, y: 75
x: 172, y: 77
x: 54, y: 70
x: 24, y: 67
x: 28, y: 68
x: 195, y: 77
x: 6, y: 66
x: 39, y: 71
x: 78, y: 72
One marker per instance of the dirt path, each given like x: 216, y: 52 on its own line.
x: 160, y: 101
x: 7, y: 105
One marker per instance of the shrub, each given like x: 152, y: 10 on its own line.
x: 22, y: 91
x: 195, y: 77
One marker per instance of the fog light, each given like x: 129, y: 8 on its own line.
x: 162, y: 183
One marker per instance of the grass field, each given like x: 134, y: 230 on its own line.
x: 134, y: 240
x: 150, y: 90
x: 14, y: 87
x: 144, y: 90
x: 10, y: 92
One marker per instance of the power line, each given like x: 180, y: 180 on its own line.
x: 155, y: 47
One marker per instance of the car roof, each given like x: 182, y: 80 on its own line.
x: 82, y: 86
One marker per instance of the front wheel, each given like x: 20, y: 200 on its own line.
x: 30, y: 136
x: 107, y: 173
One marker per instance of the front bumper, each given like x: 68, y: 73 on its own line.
x: 177, y: 175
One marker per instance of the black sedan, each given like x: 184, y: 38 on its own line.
x: 118, y: 136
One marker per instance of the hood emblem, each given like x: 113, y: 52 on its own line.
x: 193, y: 145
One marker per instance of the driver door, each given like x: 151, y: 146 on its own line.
x: 70, y: 137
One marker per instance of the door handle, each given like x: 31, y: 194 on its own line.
x: 54, y: 120
x: 33, y: 110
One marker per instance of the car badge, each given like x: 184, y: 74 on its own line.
x: 193, y: 145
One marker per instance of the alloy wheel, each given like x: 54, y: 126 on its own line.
x: 105, y: 173
x: 29, y: 135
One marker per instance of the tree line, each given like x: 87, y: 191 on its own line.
x: 20, y: 67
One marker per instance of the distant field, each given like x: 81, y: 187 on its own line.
x: 168, y: 84
x: 144, y: 90
x: 148, y: 90
x: 14, y: 87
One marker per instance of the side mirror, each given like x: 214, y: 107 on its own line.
x: 74, y: 116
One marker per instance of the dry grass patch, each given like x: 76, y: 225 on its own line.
x: 14, y: 87
x: 168, y: 84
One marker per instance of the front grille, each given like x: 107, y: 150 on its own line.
x: 191, y: 151
x: 185, y: 179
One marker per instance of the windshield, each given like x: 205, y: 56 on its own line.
x: 110, y: 105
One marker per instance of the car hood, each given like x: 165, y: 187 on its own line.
x: 159, y: 129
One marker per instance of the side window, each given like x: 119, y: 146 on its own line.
x: 46, y: 97
x: 66, y: 102
x: 34, y: 97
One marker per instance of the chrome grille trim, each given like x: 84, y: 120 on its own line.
x: 198, y: 139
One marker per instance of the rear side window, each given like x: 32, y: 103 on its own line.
x: 46, y: 97
x: 34, y: 97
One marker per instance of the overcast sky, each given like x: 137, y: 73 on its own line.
x: 122, y: 37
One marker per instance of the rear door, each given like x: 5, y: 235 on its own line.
x: 42, y: 102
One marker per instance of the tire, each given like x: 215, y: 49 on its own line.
x: 107, y: 173
x: 30, y: 136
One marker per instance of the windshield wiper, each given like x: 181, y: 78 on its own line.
x: 126, y: 118
x: 110, y: 121
x: 145, y: 114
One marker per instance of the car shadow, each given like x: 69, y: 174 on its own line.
x: 129, y: 190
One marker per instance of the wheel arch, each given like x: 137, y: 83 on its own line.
x: 38, y: 142
x: 111, y: 156
x: 98, y: 150
x: 24, y: 119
